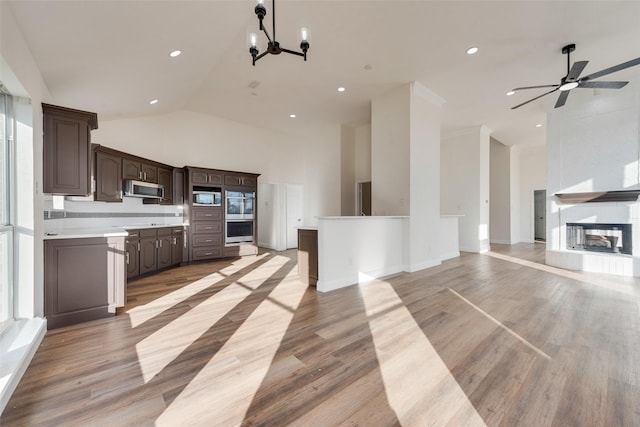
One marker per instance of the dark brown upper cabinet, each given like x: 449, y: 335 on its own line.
x: 165, y: 178
x: 108, y: 177
x: 241, y: 180
x: 134, y: 169
x: 178, y: 186
x: 205, y: 177
x: 67, y: 152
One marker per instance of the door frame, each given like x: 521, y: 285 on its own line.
x: 358, y: 198
x: 535, y: 239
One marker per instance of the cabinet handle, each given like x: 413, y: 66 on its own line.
x: 175, y: 241
x: 209, y: 253
x: 208, y: 214
x: 139, y: 174
x: 208, y: 240
x: 145, y: 176
x: 138, y: 246
x: 184, y: 239
x: 160, y: 241
x: 127, y: 258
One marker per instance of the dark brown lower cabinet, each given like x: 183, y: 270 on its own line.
x: 177, y: 245
x: 165, y: 241
x: 84, y: 279
x: 149, y: 250
x: 132, y: 247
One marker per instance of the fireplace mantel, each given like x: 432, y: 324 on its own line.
x: 599, y: 196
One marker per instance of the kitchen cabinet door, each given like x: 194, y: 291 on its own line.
x: 108, y: 177
x: 177, y: 246
x: 132, y: 248
x: 165, y: 178
x: 178, y: 186
x: 165, y: 242
x: 148, y: 255
x: 67, y: 153
x: 149, y: 173
x: 131, y: 169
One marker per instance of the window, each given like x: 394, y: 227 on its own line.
x: 6, y: 228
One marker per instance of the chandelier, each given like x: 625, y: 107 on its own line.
x: 273, y: 47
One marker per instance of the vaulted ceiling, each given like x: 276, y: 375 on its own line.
x: 111, y: 57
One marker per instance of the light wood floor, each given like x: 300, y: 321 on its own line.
x: 495, y: 339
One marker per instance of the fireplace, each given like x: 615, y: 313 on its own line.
x: 608, y: 238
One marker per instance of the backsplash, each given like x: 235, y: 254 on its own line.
x: 89, y: 214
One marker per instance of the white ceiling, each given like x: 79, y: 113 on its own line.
x: 111, y: 57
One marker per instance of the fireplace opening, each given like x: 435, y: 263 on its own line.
x: 611, y: 238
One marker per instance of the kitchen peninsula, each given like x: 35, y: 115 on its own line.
x: 358, y: 249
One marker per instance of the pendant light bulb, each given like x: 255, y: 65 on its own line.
x: 254, y: 39
x: 304, y: 33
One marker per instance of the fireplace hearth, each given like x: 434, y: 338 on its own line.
x: 608, y: 238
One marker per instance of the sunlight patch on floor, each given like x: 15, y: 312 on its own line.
x: 223, y: 390
x: 142, y: 313
x: 419, y: 387
x: 497, y: 322
x: 612, y: 285
x: 157, y: 350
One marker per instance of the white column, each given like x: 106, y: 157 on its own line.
x: 405, y: 167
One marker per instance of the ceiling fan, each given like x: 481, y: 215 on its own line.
x: 573, y: 80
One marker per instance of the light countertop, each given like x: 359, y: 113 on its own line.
x: 115, y: 231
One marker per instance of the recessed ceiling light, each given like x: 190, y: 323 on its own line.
x: 175, y: 53
x: 511, y: 92
x: 293, y: 116
x: 155, y: 101
x: 341, y: 89
x: 539, y: 125
x: 472, y: 50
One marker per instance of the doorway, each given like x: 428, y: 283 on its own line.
x: 294, y: 212
x: 363, y: 205
x: 540, y: 215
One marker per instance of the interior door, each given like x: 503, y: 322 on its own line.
x: 294, y: 201
x: 540, y: 213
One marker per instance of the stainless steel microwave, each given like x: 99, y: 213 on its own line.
x: 147, y: 190
x: 207, y: 198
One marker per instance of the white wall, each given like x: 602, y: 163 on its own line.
x: 530, y: 162
x: 390, y: 152
x: 195, y: 139
x: 347, y: 171
x: 464, y: 188
x: 500, y: 190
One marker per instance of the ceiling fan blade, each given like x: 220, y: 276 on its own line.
x: 562, y: 98
x: 533, y: 99
x: 533, y: 87
x: 603, y: 85
x: 613, y: 69
x: 576, y: 70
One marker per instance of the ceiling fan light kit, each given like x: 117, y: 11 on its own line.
x: 273, y: 46
x: 573, y: 80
